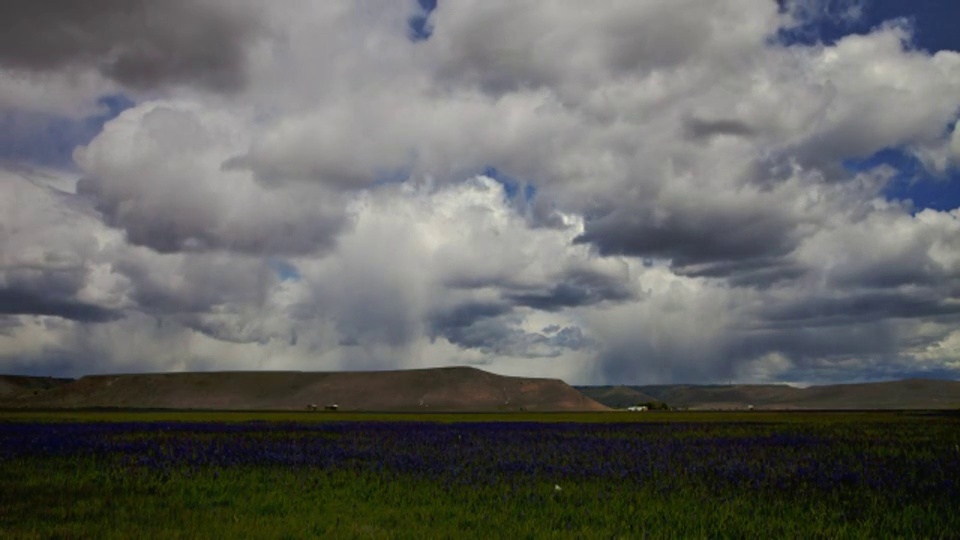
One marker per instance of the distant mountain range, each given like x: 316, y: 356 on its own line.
x: 427, y: 390
x: 445, y: 389
x: 905, y: 394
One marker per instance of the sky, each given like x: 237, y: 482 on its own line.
x: 609, y: 192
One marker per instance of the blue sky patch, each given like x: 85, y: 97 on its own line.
x: 936, y: 27
x: 285, y: 270
x: 913, y: 181
x: 935, y: 23
x: 513, y: 188
x: 420, y: 29
x: 49, y: 140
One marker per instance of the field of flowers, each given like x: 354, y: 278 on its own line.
x: 829, y: 476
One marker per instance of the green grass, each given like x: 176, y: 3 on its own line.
x: 85, y: 495
x: 263, y: 503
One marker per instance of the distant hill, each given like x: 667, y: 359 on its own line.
x: 905, y: 394
x: 617, y: 397
x: 726, y: 396
x: 19, y: 386
x: 444, y: 389
x: 440, y: 389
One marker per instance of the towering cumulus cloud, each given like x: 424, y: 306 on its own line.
x: 606, y: 192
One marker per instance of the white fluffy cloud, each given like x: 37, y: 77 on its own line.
x: 625, y: 192
x: 161, y: 173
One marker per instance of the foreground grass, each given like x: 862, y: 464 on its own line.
x: 810, y: 476
x: 267, y: 503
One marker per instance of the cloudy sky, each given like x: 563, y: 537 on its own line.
x: 635, y: 191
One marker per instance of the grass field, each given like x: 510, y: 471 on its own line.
x: 596, y: 475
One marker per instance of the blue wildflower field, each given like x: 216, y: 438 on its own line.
x: 829, y: 475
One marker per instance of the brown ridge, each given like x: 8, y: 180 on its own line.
x: 437, y: 389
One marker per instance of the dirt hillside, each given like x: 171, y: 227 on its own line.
x: 440, y: 389
x: 13, y: 387
x: 905, y: 394
x: 617, y: 397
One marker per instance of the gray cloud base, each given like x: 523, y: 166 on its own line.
x: 138, y: 43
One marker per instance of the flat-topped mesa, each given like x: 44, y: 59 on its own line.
x: 432, y: 389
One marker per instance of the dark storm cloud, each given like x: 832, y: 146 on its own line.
x: 827, y: 339
x: 815, y: 348
x: 761, y: 273
x: 640, y: 362
x: 572, y: 288
x: 501, y: 335
x: 913, y: 269
x: 138, y: 43
x: 860, y: 307
x: 40, y: 281
x: 489, y: 327
x: 700, y: 129
x: 824, y: 353
x: 570, y: 337
x: 577, y: 288
x: 206, y: 281
x: 711, y: 234
x: 886, y: 369
x: 494, y: 327
x: 23, y: 302
x: 464, y: 315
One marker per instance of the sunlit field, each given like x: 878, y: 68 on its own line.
x: 596, y: 475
